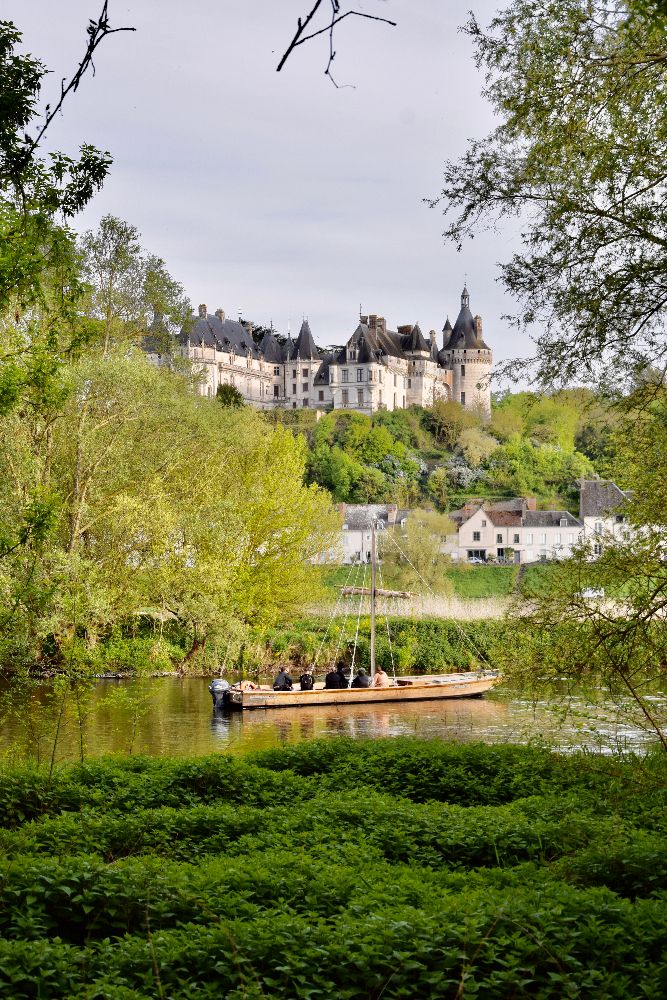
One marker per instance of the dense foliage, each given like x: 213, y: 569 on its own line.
x: 356, y: 870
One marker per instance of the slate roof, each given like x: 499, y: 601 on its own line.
x: 550, y: 519
x: 305, y: 348
x: 358, y: 517
x: 415, y: 341
x: 211, y: 331
x: 270, y: 348
x: 599, y: 498
x: 464, y: 334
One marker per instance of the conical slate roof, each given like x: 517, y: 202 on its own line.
x: 305, y: 345
x: 464, y: 334
x: 270, y: 348
x: 415, y: 341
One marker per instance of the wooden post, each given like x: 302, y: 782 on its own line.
x: 373, y: 558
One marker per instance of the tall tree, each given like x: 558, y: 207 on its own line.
x: 579, y: 156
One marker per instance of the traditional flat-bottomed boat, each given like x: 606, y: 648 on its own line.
x: 429, y: 687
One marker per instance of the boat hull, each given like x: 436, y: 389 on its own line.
x: 411, y: 689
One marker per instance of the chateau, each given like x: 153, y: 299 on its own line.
x: 377, y: 369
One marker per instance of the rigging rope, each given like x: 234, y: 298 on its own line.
x: 333, y: 614
x: 478, y: 652
x: 347, y: 615
x: 356, y: 636
x: 386, y: 619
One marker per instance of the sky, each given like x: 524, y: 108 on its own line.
x: 275, y: 194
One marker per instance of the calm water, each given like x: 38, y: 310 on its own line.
x: 174, y: 716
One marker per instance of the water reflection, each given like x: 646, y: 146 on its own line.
x: 174, y: 716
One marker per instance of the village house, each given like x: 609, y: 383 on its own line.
x: 377, y: 368
x: 357, y: 521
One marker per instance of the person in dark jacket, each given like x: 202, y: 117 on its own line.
x: 282, y: 681
x: 332, y: 679
x: 340, y: 670
x: 306, y: 681
x: 362, y: 680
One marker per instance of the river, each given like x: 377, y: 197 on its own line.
x: 174, y: 716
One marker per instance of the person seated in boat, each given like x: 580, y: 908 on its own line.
x: 247, y: 686
x: 306, y: 680
x: 332, y: 680
x: 362, y: 680
x: 381, y: 679
x: 282, y: 681
x: 344, y: 680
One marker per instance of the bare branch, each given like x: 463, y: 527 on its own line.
x: 302, y: 35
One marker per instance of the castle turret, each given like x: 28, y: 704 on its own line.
x: 469, y: 358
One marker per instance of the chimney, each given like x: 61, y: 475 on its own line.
x: 381, y: 324
x: 531, y: 503
x: 372, y: 321
x: 363, y: 320
x: 202, y: 312
x: 478, y: 326
x: 220, y: 313
x: 392, y: 511
x: 342, y: 509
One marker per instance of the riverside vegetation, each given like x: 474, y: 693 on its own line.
x: 372, y: 870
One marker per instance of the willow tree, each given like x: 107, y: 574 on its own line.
x: 579, y: 160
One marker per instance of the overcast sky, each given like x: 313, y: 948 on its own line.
x: 276, y: 194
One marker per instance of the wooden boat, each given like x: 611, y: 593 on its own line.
x: 431, y: 687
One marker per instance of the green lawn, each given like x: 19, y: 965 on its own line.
x: 467, y: 581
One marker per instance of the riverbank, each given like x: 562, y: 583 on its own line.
x: 390, y: 868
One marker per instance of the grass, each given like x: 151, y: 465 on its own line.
x: 467, y: 582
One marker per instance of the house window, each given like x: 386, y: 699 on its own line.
x: 394, y: 398
x: 320, y: 395
x: 558, y: 538
x: 484, y: 524
x: 463, y: 369
x: 360, y: 374
x: 380, y: 396
x: 516, y: 539
x: 345, y: 397
x: 360, y: 397
x: 304, y: 373
x: 463, y: 399
x: 499, y: 537
x: 529, y: 538
x: 597, y: 549
x: 476, y: 536
x: 276, y: 390
x: 570, y: 539
x: 304, y: 387
x: 344, y: 375
x: 394, y: 381
x: 276, y: 369
x: 598, y: 527
x: 543, y: 539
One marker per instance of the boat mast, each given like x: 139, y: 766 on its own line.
x: 373, y: 560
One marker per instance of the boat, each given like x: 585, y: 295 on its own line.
x: 428, y: 687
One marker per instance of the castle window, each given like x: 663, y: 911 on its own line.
x: 409, y: 383
x: 304, y: 387
x: 320, y: 395
x: 305, y: 401
x: 345, y: 397
x: 463, y: 399
x: 463, y: 369
x: 293, y: 372
x: 394, y: 380
x: 380, y: 397
x: 345, y: 375
x: 360, y: 397
x: 276, y: 369
x: 360, y: 374
x: 276, y: 390
x: 380, y: 376
x: 293, y: 389
x: 304, y: 373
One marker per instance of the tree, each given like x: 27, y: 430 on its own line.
x: 447, y: 419
x: 414, y: 561
x: 579, y: 156
x: 229, y: 395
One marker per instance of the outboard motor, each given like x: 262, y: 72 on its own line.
x: 219, y: 689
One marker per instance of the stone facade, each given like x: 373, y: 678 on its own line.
x: 377, y: 369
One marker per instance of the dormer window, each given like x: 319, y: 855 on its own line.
x: 563, y: 522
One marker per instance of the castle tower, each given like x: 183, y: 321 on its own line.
x: 470, y: 360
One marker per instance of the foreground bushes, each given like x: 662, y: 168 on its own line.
x: 336, y: 869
